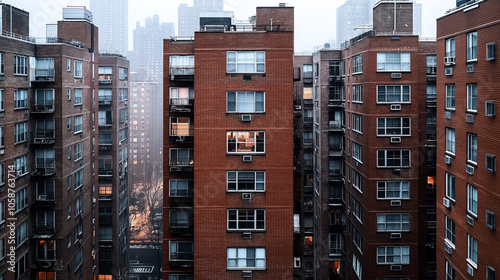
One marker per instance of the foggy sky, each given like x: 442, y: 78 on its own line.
x: 314, y: 19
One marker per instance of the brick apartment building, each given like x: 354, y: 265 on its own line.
x: 228, y: 151
x: 468, y: 142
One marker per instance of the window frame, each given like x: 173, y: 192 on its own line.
x: 78, y: 69
x: 258, y: 225
x: 357, y: 123
x: 236, y: 259
x: 78, y: 124
x: 472, y: 200
x: 450, y: 138
x: 173, y: 191
x: 357, y: 210
x: 254, y: 103
x: 384, y: 188
x: 450, y: 97
x: 450, y: 271
x: 404, y: 220
x: 256, y: 63
x: 401, y: 62
x: 357, y: 94
x: 357, y: 152
x: 21, y: 134
x: 20, y: 65
x: 385, y: 255
x: 472, y: 250
x: 402, y: 94
x: 450, y: 182
x: 472, y: 148
x: 401, y: 127
x: 450, y: 47
x: 236, y: 182
x: 401, y: 158
x: 2, y: 63
x: 78, y: 96
x: 472, y: 98
x: 23, y: 102
x: 255, y: 141
x: 449, y: 231
x: 472, y: 46
x: 357, y: 64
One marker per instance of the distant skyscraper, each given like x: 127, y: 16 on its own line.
x: 148, y: 44
x: 189, y: 17
x: 111, y: 16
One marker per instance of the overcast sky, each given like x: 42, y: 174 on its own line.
x: 314, y: 19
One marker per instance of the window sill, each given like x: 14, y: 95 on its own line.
x: 80, y: 104
x: 245, y: 268
x: 472, y: 214
x: 78, y: 132
x: 449, y: 243
x: 393, y: 71
x: 472, y: 263
x: 450, y: 109
x: 20, y: 108
x: 245, y: 230
x: 449, y: 153
x: 472, y: 163
x: 22, y: 142
x: 78, y: 159
x: 472, y: 111
x: 451, y: 199
x: 474, y: 60
x: 246, y: 191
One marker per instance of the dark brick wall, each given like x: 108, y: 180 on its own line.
x: 383, y: 17
x: 20, y: 20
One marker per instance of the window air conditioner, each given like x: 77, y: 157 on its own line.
x: 470, y: 270
x: 447, y: 159
x: 396, y: 235
x: 247, y: 235
x: 396, y: 267
x: 470, y: 220
x: 246, y: 196
x: 246, y: 274
x: 446, y: 202
x: 447, y: 248
x: 469, y: 118
x: 395, y: 139
x: 247, y: 158
x: 396, y: 75
x: 449, y: 60
x: 447, y: 115
x: 396, y: 107
x: 448, y: 71
x: 246, y: 118
x: 395, y: 202
x: 42, y: 197
x: 469, y: 169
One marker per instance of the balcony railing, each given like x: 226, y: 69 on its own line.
x: 181, y: 256
x: 181, y: 223
x: 335, y: 125
x: 45, y: 229
x: 46, y: 107
x: 181, y: 162
x: 105, y: 79
x: 105, y: 173
x: 44, y: 167
x: 181, y: 101
x: 44, y: 74
x: 105, y: 101
x: 335, y: 251
x: 182, y: 70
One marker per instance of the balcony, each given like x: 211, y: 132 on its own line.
x: 335, y: 100
x: 182, y: 72
x: 44, y: 74
x: 335, y: 80
x: 105, y: 174
x: 181, y: 105
x: 181, y: 164
x: 44, y: 137
x: 44, y: 167
x: 105, y: 218
x: 336, y: 151
x: 44, y: 231
x: 335, y: 251
x: 105, y: 79
x: 105, y: 101
x: 105, y: 145
x: 46, y: 106
x: 335, y: 126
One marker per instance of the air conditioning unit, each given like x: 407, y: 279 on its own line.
x: 469, y: 169
x: 396, y: 171
x: 447, y: 115
x: 181, y: 138
x: 395, y: 139
x: 296, y: 262
x: 247, y: 235
x: 395, y: 202
x: 446, y: 202
x: 175, y: 168
x: 93, y: 221
x: 297, y: 107
x: 470, y: 220
x: 246, y: 196
x: 470, y: 270
x: 470, y: 68
x: 396, y: 107
x: 2, y: 152
x: 396, y: 267
x: 246, y: 274
x: 41, y: 197
x: 469, y: 118
x: 247, y: 158
x: 448, y: 71
x: 396, y: 235
x: 80, y: 241
x: 396, y: 75
x: 447, y: 159
x: 246, y: 118
x: 449, y: 60
x: 447, y: 248
x: 125, y: 102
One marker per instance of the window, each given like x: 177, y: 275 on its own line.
x: 105, y: 74
x: 44, y: 100
x: 335, y: 167
x: 335, y: 244
x: 490, y: 273
x: 182, y: 65
x: 45, y: 250
x: 20, y: 98
x: 105, y: 233
x: 181, y: 157
x: 45, y: 130
x: 21, y: 266
x: 308, y: 71
x: 44, y: 275
x: 356, y: 266
x: 123, y: 115
x: 181, y: 250
x: 78, y: 229
x: 393, y: 158
x: 2, y: 136
x: 472, y: 46
x: 105, y: 118
x: 472, y: 148
x: 431, y: 93
x: 450, y: 47
x: 79, y: 207
x: 180, y: 126
x: 20, y: 65
x: 393, y: 61
x: 181, y: 188
x: 123, y: 135
x: 78, y: 258
x: 78, y: 179
x: 450, y: 140
x: 431, y: 65
x: 357, y: 181
x: 21, y: 165
x: 122, y: 94
x: 2, y: 63
x: 246, y: 61
x: 78, y: 151
x: 78, y: 96
x: 472, y: 200
x: 472, y: 97
x: 245, y: 142
x: 393, y: 254
x: 68, y: 64
x: 393, y: 94
x: 450, y: 231
x: 472, y: 250
x: 181, y: 277
x: 394, y: 126
x: 490, y: 219
x: 357, y: 64
x: 3, y: 252
x: 490, y: 108
x: 307, y: 93
x: 316, y: 69
x: 357, y: 239
x: 357, y: 94
x: 246, y: 181
x: 238, y: 219
x: 122, y: 73
x: 450, y: 186
x: 393, y: 190
x: 357, y: 210
x: 2, y: 213
x: 393, y: 222
x: 246, y: 258
x: 450, y: 97
x: 20, y: 132
x: 450, y: 271
x: 181, y: 218
x: 21, y: 233
x: 308, y: 137
x: 45, y: 191
x: 357, y: 152
x: 105, y: 192
x: 105, y: 96
x: 68, y: 123
x: 490, y: 163
x: 491, y: 51
x: 78, y: 69
x: 78, y: 120
x: 245, y: 101
x: 2, y: 99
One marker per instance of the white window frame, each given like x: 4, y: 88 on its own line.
x: 78, y: 124
x: 253, y: 103
x: 472, y: 250
x: 357, y: 210
x: 357, y: 152
x: 450, y: 97
x: 472, y: 98
x: 21, y: 65
x: 236, y: 142
x: 382, y: 127
x: 78, y: 179
x: 357, y: 181
x: 357, y: 239
x: 20, y: 99
x: 21, y: 165
x: 239, y: 214
x: 236, y: 258
x: 356, y: 266
x: 357, y: 64
x: 178, y: 127
x: 383, y: 254
x: 357, y: 94
x: 171, y: 250
x: 404, y: 62
x: 450, y: 141
x: 20, y: 132
x: 401, y: 156
x: 258, y: 66
x: 177, y: 162
x: 472, y: 148
x: 449, y: 231
x: 357, y: 123
x: 122, y: 73
x: 472, y: 46
x: 383, y: 187
x: 393, y: 219
x: 472, y: 200
x: 450, y: 47
x: 403, y: 96
x: 78, y: 92
x: 174, y: 190
x: 450, y: 271
x: 78, y: 151
x: 450, y: 186
x: 259, y: 185
x: 78, y: 73
x: 335, y: 244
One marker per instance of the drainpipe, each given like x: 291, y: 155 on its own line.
x: 394, y: 30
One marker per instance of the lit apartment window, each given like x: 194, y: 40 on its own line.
x: 181, y: 157
x: 357, y: 152
x: 105, y: 192
x: 78, y: 69
x: 472, y: 148
x: 357, y: 64
x: 472, y: 46
x: 450, y: 231
x: 245, y: 141
x: 181, y: 251
x: 181, y: 96
x: 20, y: 65
x: 394, y: 126
x: 21, y: 166
x: 356, y: 266
x: 450, y: 271
x: 357, y: 210
x: 245, y: 101
x: 472, y: 97
x: 180, y: 277
x: 307, y: 93
x: 450, y: 140
x: 246, y: 61
x: 450, y: 47
x: 472, y: 200
x: 393, y: 254
x: 240, y: 219
x: 472, y: 250
x: 393, y: 222
x: 393, y: 94
x: 450, y: 97
x: 246, y: 181
x: 393, y: 158
x: 357, y: 94
x: 78, y: 121
x: 78, y: 96
x: 20, y: 98
x: 246, y: 258
x: 180, y: 126
x: 335, y: 244
x: 450, y: 186
x: 181, y: 188
x: 2, y: 63
x: 393, y: 61
x: 105, y: 74
x: 48, y: 275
